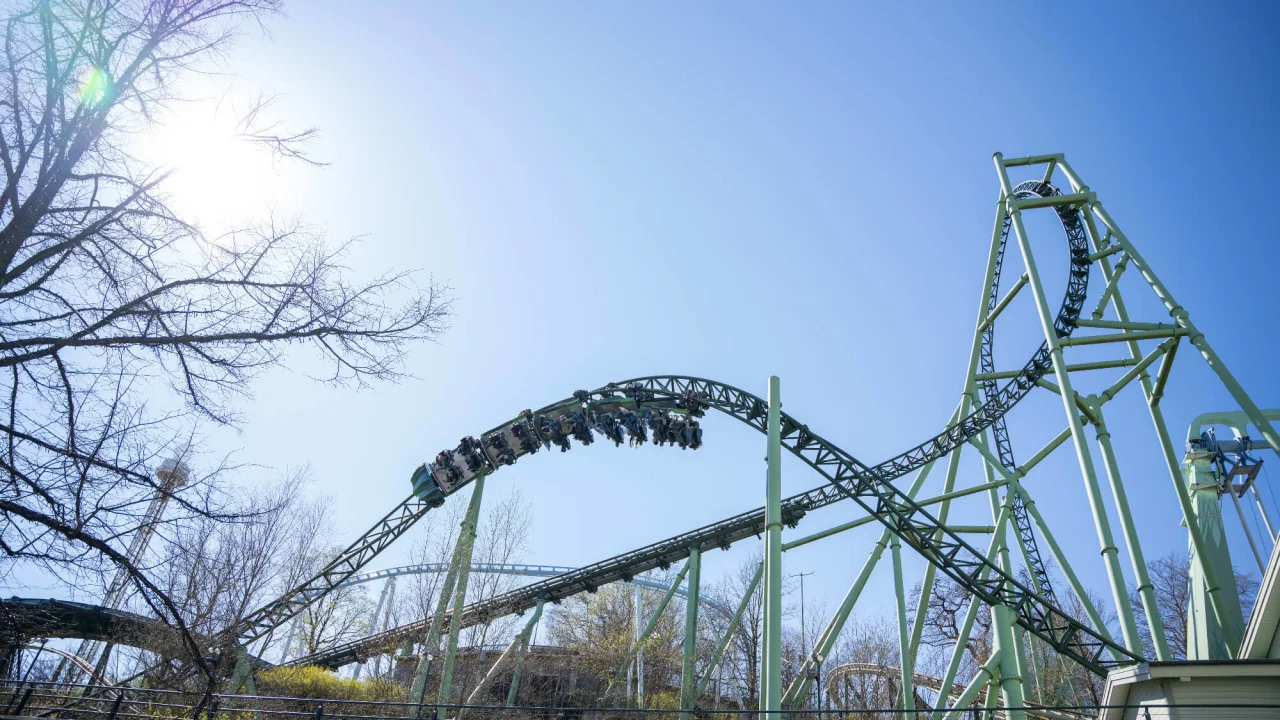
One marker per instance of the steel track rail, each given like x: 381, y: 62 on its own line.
x: 870, y: 487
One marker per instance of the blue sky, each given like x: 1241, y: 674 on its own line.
x: 739, y: 190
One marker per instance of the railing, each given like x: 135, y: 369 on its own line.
x: 66, y: 701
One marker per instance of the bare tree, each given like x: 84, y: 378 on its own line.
x: 742, y: 661
x: 1171, y: 581
x: 121, y: 326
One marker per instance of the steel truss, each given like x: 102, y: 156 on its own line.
x: 986, y: 575
x: 869, y: 486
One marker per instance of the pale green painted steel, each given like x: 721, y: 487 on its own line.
x: 771, y: 677
x: 1010, y: 677
x: 1183, y: 318
x: 727, y: 638
x: 688, y: 680
x: 1076, y: 587
x: 242, y: 676
x: 639, y: 662
x: 431, y: 644
x: 520, y: 640
x: 1157, y: 417
x: 1130, y: 530
x: 1078, y: 367
x: 971, y: 613
x: 1110, y: 552
x: 871, y: 518
x: 514, y: 690
x: 1020, y: 283
x: 967, y: 397
x: 1110, y: 289
x: 1206, y: 637
x: 904, y: 640
x: 800, y: 685
x: 986, y: 673
x: 1121, y: 337
x: 649, y: 626
x: 467, y: 540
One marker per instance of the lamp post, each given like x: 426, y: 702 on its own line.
x: 804, y: 637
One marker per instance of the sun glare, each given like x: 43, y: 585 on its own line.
x: 219, y: 181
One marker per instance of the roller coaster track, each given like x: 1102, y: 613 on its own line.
x: 22, y: 619
x: 868, y: 486
x: 1076, y: 238
x: 871, y: 487
x: 490, y: 568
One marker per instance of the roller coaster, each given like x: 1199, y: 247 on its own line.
x: 671, y: 410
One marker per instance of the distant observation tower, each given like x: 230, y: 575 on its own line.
x: 170, y: 475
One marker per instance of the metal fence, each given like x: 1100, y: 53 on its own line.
x: 66, y: 701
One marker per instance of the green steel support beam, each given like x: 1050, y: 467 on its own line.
x: 1110, y: 289
x: 688, y: 679
x: 871, y: 518
x: 1197, y: 339
x: 431, y: 644
x: 1170, y: 456
x: 1101, y: 365
x: 986, y: 674
x: 971, y: 613
x: 727, y: 638
x: 771, y: 677
x: 800, y: 685
x: 1004, y: 302
x: 1110, y: 552
x: 514, y: 691
x: 1130, y: 530
x: 638, y: 665
x: 649, y: 627
x: 242, y: 676
x: 967, y: 398
x: 521, y: 640
x: 1076, y: 341
x: 1070, y: 574
x: 904, y: 642
x: 467, y: 541
x: 1010, y: 678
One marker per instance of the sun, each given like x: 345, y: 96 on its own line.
x: 219, y: 181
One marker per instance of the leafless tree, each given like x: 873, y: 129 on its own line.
x: 1171, y: 582
x: 121, y: 326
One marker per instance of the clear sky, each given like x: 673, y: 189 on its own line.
x: 736, y: 190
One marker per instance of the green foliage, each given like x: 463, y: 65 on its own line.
x: 310, y: 681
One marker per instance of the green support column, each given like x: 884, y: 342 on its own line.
x: 771, y: 677
x: 648, y: 628
x: 1206, y: 638
x: 971, y: 613
x: 524, y: 652
x: 986, y: 674
x: 467, y: 540
x: 967, y: 398
x: 688, y: 680
x: 904, y: 641
x: 800, y: 685
x: 1170, y: 456
x: 521, y: 640
x: 431, y: 644
x: 1130, y: 530
x: 639, y: 661
x: 727, y: 638
x: 1010, y: 679
x: 1197, y: 339
x: 1110, y: 552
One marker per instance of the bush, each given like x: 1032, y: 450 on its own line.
x: 317, y: 683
